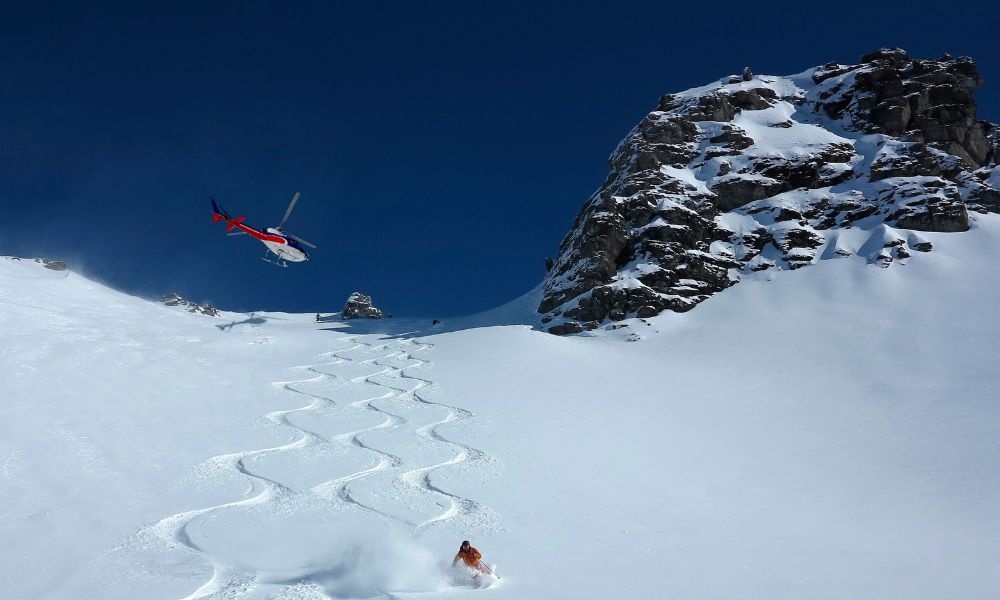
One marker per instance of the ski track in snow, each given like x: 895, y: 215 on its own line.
x: 396, y: 384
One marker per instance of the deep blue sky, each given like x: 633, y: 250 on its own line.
x: 442, y: 149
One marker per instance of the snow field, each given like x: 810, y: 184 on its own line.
x: 277, y: 517
x: 824, y: 433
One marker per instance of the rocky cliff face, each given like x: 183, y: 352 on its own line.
x: 759, y: 173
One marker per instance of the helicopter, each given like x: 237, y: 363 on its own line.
x: 283, y: 245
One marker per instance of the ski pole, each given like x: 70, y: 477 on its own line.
x: 491, y: 571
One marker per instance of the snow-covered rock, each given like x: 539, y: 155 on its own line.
x: 750, y: 175
x: 48, y: 263
x: 175, y: 299
x: 360, y: 306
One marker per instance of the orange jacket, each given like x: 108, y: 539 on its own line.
x: 470, y: 557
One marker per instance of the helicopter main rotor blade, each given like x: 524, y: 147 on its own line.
x: 299, y: 240
x: 288, y: 212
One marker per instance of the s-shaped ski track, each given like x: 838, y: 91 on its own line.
x: 230, y: 581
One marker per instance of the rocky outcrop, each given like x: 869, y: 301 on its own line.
x: 48, y: 263
x: 175, y: 299
x: 359, y: 306
x: 751, y: 173
x: 918, y: 99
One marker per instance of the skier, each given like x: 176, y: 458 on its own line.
x: 470, y: 556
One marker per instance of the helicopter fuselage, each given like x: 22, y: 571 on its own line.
x: 282, y: 246
x: 285, y: 246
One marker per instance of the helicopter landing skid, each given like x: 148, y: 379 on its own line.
x: 278, y: 262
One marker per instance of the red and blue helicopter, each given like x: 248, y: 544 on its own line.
x: 283, y: 245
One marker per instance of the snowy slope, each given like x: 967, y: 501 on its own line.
x: 828, y: 433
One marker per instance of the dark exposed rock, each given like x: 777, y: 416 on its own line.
x: 359, y: 306
x: 934, y: 205
x: 723, y: 106
x: 588, y: 255
x: 857, y: 214
x: 829, y: 70
x: 894, y: 56
x: 735, y: 191
x: 992, y: 133
x: 667, y: 102
x: 595, y: 306
x: 935, y: 216
x: 787, y: 214
x: 809, y: 172
x: 753, y: 99
x: 714, y: 107
x: 734, y: 137
x: 913, y: 160
x: 651, y: 156
x: 799, y: 238
x: 669, y: 129
x: 927, y: 100
x: 566, y: 328
x: 987, y: 197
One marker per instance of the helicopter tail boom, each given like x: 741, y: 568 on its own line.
x: 234, y: 222
x: 218, y: 214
